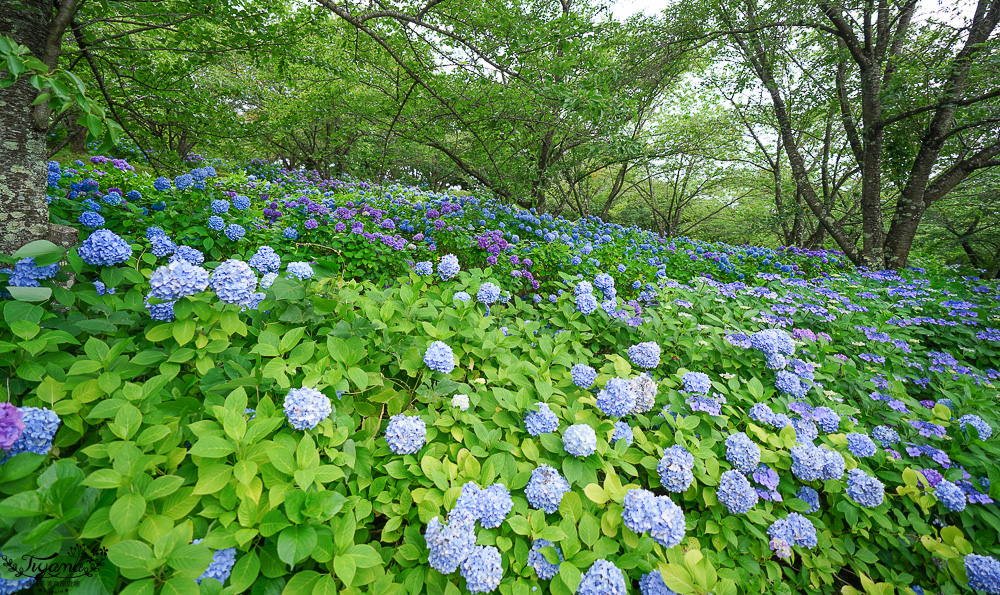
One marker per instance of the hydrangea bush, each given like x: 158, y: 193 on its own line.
x: 283, y: 412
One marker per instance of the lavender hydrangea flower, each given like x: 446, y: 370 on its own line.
x: 11, y: 425
x: 616, y: 399
x: 742, y: 453
x: 546, y: 488
x: 603, y: 578
x: 104, y: 248
x: 580, y: 440
x: 736, y: 493
x: 542, y: 567
x: 827, y: 419
x: 40, y: 427
x: 405, y: 434
x: 645, y: 355
x: 676, y: 468
x: 439, y: 357
x: 583, y: 375
x: 790, y: 384
x: 305, y: 407
x: 761, y: 413
x: 696, y: 383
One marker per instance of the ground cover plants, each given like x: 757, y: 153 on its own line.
x: 269, y: 382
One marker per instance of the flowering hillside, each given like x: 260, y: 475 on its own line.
x: 292, y: 385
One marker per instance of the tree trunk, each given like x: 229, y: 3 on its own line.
x: 24, y: 211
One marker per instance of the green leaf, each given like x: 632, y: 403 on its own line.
x: 245, y: 572
x: 359, y: 377
x: 163, y: 486
x: 130, y: 554
x: 364, y: 556
x: 36, y: 249
x: 126, y: 513
x: 212, y: 447
x: 295, y: 543
x: 345, y: 568
x: 30, y: 294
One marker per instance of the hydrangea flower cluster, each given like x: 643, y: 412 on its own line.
x: 952, y: 496
x: 423, y: 268
x: 489, y: 506
x: 623, y: 431
x: 616, y: 399
x: 696, y: 383
x: 644, y: 388
x: 299, y: 270
x: 645, y: 512
x: 542, y: 421
x: 546, y: 488
x: 736, y: 493
x: 742, y: 453
x: 460, y: 401
x: 27, y: 274
x: 603, y: 578
x: 580, y: 440
x: 405, y: 434
x: 676, y: 468
x: 652, y: 584
x: 645, y: 355
x: 982, y: 428
x: 488, y: 293
x: 983, y: 573
x: 775, y: 344
x: 586, y: 303
x: 305, y: 407
x: 448, y: 267
x: 583, y: 375
x: 450, y: 544
x: 40, y: 427
x: 794, y: 530
x: 265, y: 260
x: 865, y: 489
x: 811, y: 463
x: 810, y: 497
x: 221, y: 566
x: 176, y: 280
x: 861, y: 445
x: 104, y: 248
x: 439, y: 357
x: 11, y: 425
x: 233, y: 281
x: 536, y: 560
x: 481, y: 569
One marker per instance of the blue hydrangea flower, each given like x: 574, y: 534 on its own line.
x: 583, y: 375
x: 983, y: 573
x: 481, y: 569
x: 885, y: 435
x: 161, y: 184
x: 736, y: 493
x: 423, y: 268
x: 833, y: 464
x: 861, y: 445
x: 162, y: 246
x: 807, y: 462
x: 234, y: 232
x: 163, y: 312
x: 645, y: 355
x: 222, y: 564
x: 810, y: 497
x: 623, y: 431
x: 265, y: 260
x: 616, y: 399
x: 154, y: 231
x: 216, y: 223
x: 241, y: 202
x: 983, y: 428
x: 805, y: 431
x: 603, y: 578
x: 233, y: 281
x: 542, y: 421
x: 299, y: 270
x: 644, y: 388
x: 827, y: 419
x: 105, y: 248
x: 220, y: 206
x: 405, y: 434
x: 27, y: 274
x: 187, y: 254
x: 742, y: 453
x: 644, y: 512
x: 652, y: 583
x: 439, y: 357
x: 865, y: 489
x: 586, y: 303
x: 290, y: 233
x: 450, y: 544
x: 580, y: 440
x: 546, y: 488
x: 773, y: 342
x: 448, y: 267
x: 697, y: 383
x: 40, y: 427
x: 267, y: 280
x: 790, y: 384
x: 184, y: 181
x: 305, y: 407
x: 113, y: 198
x: 952, y: 496
x: 761, y: 413
x: 583, y: 288
x: 488, y: 293
x: 795, y: 530
x: 676, y: 468
x: 176, y: 280
x: 493, y: 506
x: 90, y: 219
x: 462, y: 296
x: 542, y: 567
x: 605, y: 282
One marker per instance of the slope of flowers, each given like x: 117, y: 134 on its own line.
x: 306, y: 386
